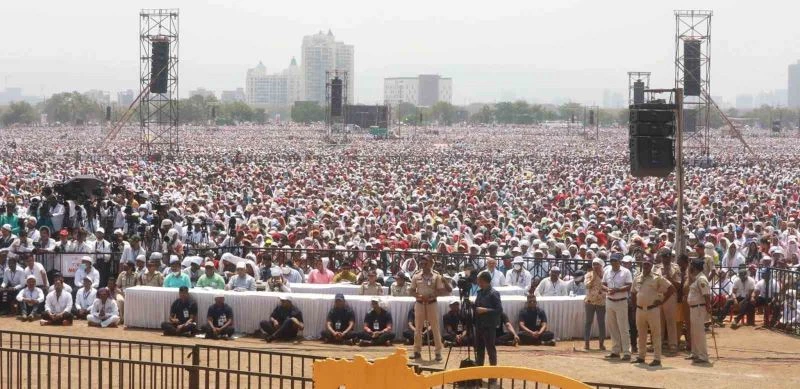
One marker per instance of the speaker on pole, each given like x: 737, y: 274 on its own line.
x: 159, y: 66
x: 336, y: 97
x: 213, y: 112
x: 591, y: 117
x: 692, y: 68
x: 108, y: 113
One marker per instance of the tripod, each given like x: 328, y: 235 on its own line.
x: 466, y: 314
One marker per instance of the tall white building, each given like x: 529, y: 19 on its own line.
x: 321, y: 53
x: 278, y: 89
x: 125, y: 98
x: 423, y: 91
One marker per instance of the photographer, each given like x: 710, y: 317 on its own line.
x: 487, y: 317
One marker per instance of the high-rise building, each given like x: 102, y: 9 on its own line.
x: 321, y: 53
x: 793, y: 93
x: 125, y: 98
x: 424, y: 90
x: 232, y: 95
x: 279, y: 89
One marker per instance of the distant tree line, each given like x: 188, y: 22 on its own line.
x: 75, y: 108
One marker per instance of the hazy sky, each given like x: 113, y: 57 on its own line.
x: 494, y: 50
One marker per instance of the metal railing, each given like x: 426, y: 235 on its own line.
x: 782, y: 311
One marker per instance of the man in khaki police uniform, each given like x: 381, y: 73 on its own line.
x: 669, y: 308
x: 649, y: 291
x: 426, y: 286
x: 699, y: 300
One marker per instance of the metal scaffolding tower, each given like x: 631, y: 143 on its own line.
x: 693, y: 74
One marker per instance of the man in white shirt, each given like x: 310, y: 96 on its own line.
x: 617, y: 282
x: 35, y: 269
x: 498, y: 279
x: 30, y: 300
x: 57, y: 306
x: 13, y: 281
x: 241, y: 282
x: 84, y: 298
x: 102, y: 250
x: 742, y: 289
x: 553, y: 285
x: 44, y: 243
x: 86, y: 269
x: 518, y: 276
x: 765, y: 290
x: 132, y: 250
x: 104, y: 312
x: 80, y: 245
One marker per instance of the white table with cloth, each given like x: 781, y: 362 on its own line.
x: 148, y: 307
x: 354, y: 290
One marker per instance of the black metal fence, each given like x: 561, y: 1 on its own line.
x: 782, y: 310
x: 29, y: 360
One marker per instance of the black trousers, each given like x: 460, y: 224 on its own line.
x: 210, y: 334
x: 8, y: 299
x: 747, y: 308
x: 504, y: 340
x: 726, y: 309
x: 379, y: 341
x: 172, y: 329
x: 485, y: 344
x: 526, y: 338
x: 328, y: 336
x: 632, y: 325
x: 284, y: 331
x: 408, y: 335
x: 66, y: 317
x: 467, y: 340
x: 104, y: 268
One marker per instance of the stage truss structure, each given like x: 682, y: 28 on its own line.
x: 695, y: 25
x: 158, y: 112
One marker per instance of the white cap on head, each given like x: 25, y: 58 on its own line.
x: 87, y: 258
x: 275, y: 272
x: 241, y: 265
x: 599, y: 262
x: 99, y: 230
x: 174, y: 259
x: 555, y: 269
x: 31, y: 277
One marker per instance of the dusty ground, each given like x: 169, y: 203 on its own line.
x: 749, y: 357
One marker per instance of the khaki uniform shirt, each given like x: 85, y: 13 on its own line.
x: 674, y: 272
x: 152, y: 279
x: 371, y: 290
x: 397, y: 290
x: 649, y: 288
x: 426, y: 286
x: 699, y: 288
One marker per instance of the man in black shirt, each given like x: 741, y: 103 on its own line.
x: 284, y: 323
x: 533, y: 325
x: 377, y: 326
x: 408, y: 334
x: 219, y: 319
x: 182, y: 315
x: 340, y: 322
x: 505, y: 335
x: 455, y: 327
x: 487, y: 317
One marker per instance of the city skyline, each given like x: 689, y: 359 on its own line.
x: 494, y: 54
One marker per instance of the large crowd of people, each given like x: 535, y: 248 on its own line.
x: 538, y: 207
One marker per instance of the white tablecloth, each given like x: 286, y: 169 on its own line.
x: 147, y: 307
x: 354, y: 290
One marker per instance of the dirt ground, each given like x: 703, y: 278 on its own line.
x: 748, y: 357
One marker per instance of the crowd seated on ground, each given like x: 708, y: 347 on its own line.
x: 248, y: 208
